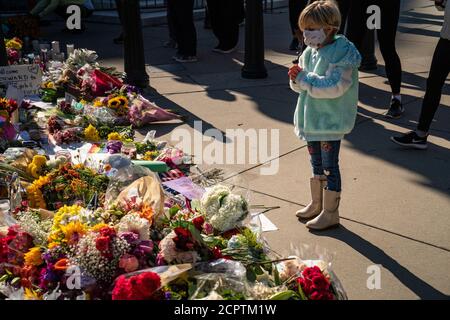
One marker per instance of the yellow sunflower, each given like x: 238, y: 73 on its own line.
x: 34, y: 257
x: 73, y: 231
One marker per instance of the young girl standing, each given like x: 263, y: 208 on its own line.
x: 326, y: 79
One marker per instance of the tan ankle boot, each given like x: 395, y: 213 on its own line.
x: 315, y: 206
x: 329, y: 216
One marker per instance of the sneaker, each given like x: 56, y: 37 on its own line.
x: 224, y: 51
x: 182, y: 58
x: 294, y: 45
x: 396, y: 110
x: 411, y: 140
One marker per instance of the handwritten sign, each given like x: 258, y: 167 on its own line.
x: 26, y: 78
x: 186, y: 187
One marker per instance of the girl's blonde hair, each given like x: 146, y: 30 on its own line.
x: 320, y: 13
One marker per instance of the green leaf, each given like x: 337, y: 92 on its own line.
x: 258, y: 270
x: 276, y: 276
x: 4, y: 278
x: 285, y: 295
x: 15, y: 280
x: 173, y: 211
x: 251, y: 276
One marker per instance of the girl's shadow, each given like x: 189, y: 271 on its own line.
x: 422, y: 289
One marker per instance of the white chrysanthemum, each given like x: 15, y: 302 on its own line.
x: 223, y: 209
x: 134, y: 223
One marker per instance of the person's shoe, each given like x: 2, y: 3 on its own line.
x: 396, y: 109
x: 170, y: 44
x: 316, y: 204
x: 411, y: 140
x: 368, y: 67
x: 329, y: 217
x: 294, y: 45
x: 218, y: 49
x: 184, y: 59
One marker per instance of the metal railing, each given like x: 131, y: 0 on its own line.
x: 19, y: 6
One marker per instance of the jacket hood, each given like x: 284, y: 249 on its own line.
x: 341, y: 52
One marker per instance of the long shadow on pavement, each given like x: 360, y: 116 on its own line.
x: 422, y: 289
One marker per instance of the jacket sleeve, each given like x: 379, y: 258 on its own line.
x: 336, y: 81
x: 295, y: 84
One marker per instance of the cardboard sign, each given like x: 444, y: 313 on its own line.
x: 26, y: 78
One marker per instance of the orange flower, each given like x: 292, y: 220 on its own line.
x: 147, y: 212
x: 62, y: 264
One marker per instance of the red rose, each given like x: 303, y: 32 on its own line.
x: 102, y: 243
x: 198, y: 223
x: 122, y: 289
x: 107, y: 232
x: 309, y: 273
x: 148, y: 283
x: 320, y: 283
x: 183, y: 240
x: 321, y: 295
x: 305, y: 285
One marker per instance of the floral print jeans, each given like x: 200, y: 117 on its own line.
x: 325, y: 161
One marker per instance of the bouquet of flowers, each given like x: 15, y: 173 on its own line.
x: 7, y: 107
x: 223, y: 209
x: 68, y: 184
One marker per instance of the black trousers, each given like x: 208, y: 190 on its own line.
x: 295, y: 9
x: 357, y: 28
x: 226, y: 15
x: 440, y: 68
x: 182, y: 17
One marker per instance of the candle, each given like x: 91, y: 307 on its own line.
x: 70, y: 49
x: 55, y: 46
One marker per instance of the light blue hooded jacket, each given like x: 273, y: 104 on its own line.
x: 328, y: 87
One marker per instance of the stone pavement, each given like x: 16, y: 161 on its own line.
x: 396, y: 203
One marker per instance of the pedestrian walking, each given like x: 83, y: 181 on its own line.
x: 440, y: 69
x: 295, y: 9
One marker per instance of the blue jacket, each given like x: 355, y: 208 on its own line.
x: 328, y: 91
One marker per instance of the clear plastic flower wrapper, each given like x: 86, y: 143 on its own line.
x: 225, y: 205
x: 133, y: 185
x: 308, y: 275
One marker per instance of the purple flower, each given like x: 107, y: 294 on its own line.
x: 130, y: 237
x: 168, y: 295
x: 160, y: 260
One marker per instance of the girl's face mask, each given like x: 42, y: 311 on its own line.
x: 314, y: 38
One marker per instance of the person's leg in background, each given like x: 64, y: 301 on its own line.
x: 356, y: 23
x: 185, y: 33
x: 390, y: 14
x: 344, y: 8
x: 172, y: 42
x: 440, y: 69
x: 329, y: 216
x: 215, y: 17
x: 119, y: 38
x: 231, y: 17
x: 295, y: 9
